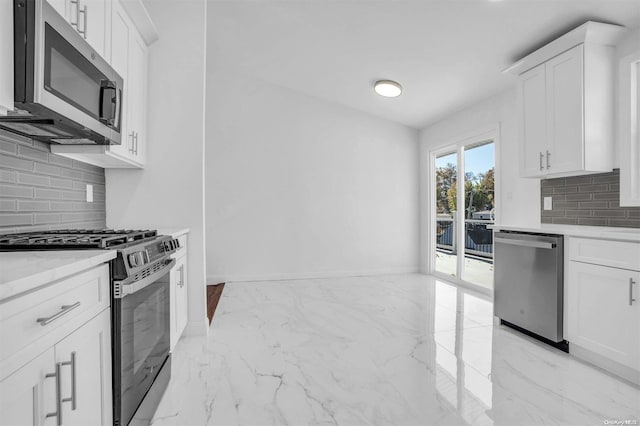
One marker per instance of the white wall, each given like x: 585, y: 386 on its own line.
x: 169, y: 192
x: 299, y: 187
x: 518, y: 199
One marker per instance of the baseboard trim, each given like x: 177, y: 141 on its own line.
x: 308, y: 275
x: 613, y: 367
x: 197, y: 328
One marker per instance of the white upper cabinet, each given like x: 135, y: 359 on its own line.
x: 565, y: 121
x: 130, y: 33
x: 629, y: 130
x: 566, y: 103
x: 129, y: 57
x: 91, y: 18
x: 533, y: 130
x: 136, y: 116
x: 6, y: 56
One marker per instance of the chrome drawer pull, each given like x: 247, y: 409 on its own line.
x: 631, y: 299
x: 64, y: 309
x: 73, y: 398
x: 58, y: 413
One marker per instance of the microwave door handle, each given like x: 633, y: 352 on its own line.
x: 118, y: 110
x: 108, y: 102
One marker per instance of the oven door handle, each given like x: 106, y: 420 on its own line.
x: 121, y: 290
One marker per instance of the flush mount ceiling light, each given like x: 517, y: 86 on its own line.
x: 387, y: 88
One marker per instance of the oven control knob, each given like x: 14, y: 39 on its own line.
x: 171, y: 245
x: 137, y: 259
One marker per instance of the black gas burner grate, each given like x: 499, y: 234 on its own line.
x: 73, y: 239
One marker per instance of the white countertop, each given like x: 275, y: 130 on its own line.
x: 173, y: 232
x: 25, y: 270
x: 600, y: 232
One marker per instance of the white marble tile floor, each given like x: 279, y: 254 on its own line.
x: 390, y: 350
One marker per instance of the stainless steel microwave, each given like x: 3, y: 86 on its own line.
x: 64, y: 92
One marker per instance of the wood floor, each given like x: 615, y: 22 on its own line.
x: 214, y: 291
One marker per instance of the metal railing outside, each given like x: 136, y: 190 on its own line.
x: 478, y: 239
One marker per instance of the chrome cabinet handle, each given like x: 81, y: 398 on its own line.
x: 136, y: 143
x: 75, y: 24
x: 541, y: 157
x: 83, y: 31
x: 64, y: 310
x: 548, y: 163
x: 58, y: 413
x: 181, y: 283
x: 132, y: 134
x: 72, y: 363
x: 631, y: 299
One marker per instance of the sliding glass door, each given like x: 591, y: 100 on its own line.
x: 464, y: 205
x: 446, y: 254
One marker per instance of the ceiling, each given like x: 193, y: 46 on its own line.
x: 447, y: 54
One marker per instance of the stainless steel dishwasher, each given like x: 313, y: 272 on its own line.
x: 528, y: 289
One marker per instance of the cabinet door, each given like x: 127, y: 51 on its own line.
x: 601, y: 316
x: 179, y: 308
x: 6, y: 56
x: 86, y: 373
x: 533, y: 136
x: 93, y: 23
x: 137, y: 100
x: 565, y: 91
x: 61, y: 6
x: 182, y: 309
x: 121, y: 28
x: 27, y: 396
x: 629, y: 98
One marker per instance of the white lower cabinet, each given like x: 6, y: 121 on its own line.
x: 66, y: 376
x: 602, y: 316
x: 85, y: 358
x: 179, y: 303
x: 179, y: 309
x: 602, y: 303
x: 28, y: 395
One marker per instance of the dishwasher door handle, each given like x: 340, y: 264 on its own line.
x: 526, y: 243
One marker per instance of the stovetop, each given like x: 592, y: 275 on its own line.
x: 74, y: 239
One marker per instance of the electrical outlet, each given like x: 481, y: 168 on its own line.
x: 548, y: 203
x: 89, y: 193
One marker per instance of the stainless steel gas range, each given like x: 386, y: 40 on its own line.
x: 139, y: 309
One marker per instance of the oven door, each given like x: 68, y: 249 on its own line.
x: 62, y: 73
x: 140, y: 339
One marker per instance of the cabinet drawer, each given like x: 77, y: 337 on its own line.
x: 31, y: 317
x: 617, y: 254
